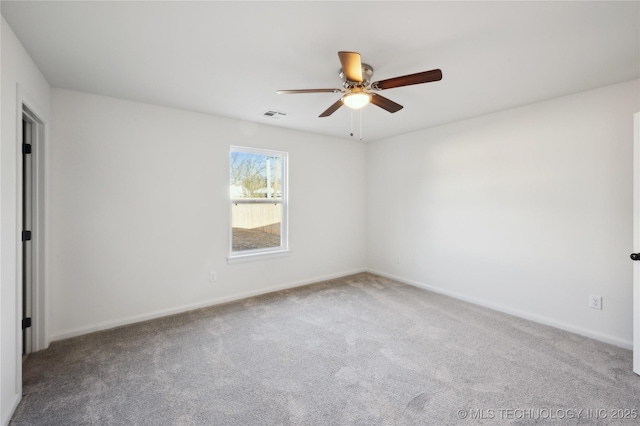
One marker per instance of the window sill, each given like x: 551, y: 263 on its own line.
x: 251, y: 257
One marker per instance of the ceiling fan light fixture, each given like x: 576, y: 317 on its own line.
x: 356, y: 100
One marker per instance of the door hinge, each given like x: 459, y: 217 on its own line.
x: 26, y: 235
x: 26, y: 148
x: 26, y: 323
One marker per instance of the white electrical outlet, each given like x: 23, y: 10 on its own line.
x: 397, y: 260
x: 213, y: 277
x: 595, y: 302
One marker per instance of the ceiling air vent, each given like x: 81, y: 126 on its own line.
x: 274, y: 114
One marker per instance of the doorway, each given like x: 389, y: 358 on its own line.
x: 636, y: 243
x: 27, y: 246
x: 32, y: 224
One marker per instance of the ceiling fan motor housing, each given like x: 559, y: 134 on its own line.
x: 367, y: 73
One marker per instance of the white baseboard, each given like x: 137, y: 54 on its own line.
x: 626, y: 344
x: 65, y: 334
x: 12, y: 409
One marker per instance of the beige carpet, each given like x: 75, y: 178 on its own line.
x: 362, y: 350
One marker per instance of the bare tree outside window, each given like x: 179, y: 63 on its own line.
x: 249, y: 173
x: 258, y: 200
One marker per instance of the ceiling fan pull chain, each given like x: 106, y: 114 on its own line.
x: 351, y: 133
x: 360, y: 124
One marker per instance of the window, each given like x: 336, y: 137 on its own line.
x: 258, y: 194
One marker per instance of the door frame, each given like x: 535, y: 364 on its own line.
x: 29, y: 110
x: 28, y: 127
x: 636, y: 242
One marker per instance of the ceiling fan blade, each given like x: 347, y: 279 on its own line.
x: 333, y: 108
x: 290, y: 92
x: 385, y: 103
x: 408, y: 80
x: 351, y: 65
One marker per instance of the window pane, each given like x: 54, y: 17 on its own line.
x: 255, y: 226
x: 255, y: 175
x: 258, y: 190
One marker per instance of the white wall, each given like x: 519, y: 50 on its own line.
x: 18, y: 70
x: 140, y: 213
x: 527, y: 211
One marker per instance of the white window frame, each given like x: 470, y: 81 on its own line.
x: 270, y: 252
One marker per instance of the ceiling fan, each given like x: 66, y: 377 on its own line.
x: 357, y: 89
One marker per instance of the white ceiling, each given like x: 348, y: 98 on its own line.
x: 229, y: 58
